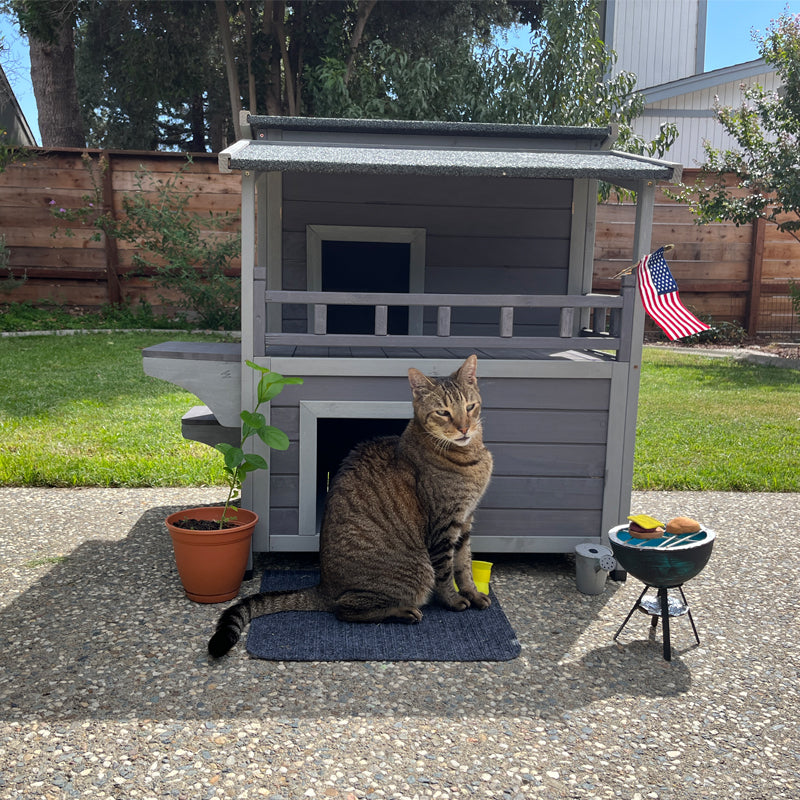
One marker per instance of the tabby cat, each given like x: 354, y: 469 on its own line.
x: 395, y: 531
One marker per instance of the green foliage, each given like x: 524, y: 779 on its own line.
x: 238, y: 463
x: 148, y: 74
x: 184, y: 250
x: 10, y: 153
x: 49, y: 316
x: 766, y: 128
x: 562, y: 80
x: 721, y: 332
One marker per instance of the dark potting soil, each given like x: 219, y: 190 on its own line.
x: 203, y: 524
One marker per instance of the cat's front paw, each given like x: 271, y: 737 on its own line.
x: 478, y: 599
x: 455, y: 602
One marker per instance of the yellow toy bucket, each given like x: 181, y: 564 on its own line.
x: 481, y: 574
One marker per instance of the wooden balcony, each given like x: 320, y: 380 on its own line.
x: 585, y: 322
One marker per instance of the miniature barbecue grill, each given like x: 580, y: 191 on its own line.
x: 663, y: 563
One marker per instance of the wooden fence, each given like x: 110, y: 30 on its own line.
x: 65, y: 262
x: 730, y: 273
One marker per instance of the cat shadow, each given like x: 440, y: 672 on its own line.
x: 109, y: 633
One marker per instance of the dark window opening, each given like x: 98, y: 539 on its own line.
x: 365, y: 267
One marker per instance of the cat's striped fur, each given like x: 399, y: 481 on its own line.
x: 397, y: 518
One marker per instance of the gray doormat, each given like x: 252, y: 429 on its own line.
x: 443, y: 635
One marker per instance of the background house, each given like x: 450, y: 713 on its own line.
x: 663, y: 43
x: 12, y: 120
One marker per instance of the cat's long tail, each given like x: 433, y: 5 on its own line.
x: 234, y: 619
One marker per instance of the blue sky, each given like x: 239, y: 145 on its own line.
x: 728, y: 41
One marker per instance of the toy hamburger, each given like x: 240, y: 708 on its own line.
x: 643, y: 526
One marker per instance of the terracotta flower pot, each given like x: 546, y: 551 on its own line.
x: 211, y: 564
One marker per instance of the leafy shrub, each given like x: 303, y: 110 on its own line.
x: 722, y: 332
x: 185, y: 251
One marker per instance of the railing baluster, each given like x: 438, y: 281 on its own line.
x: 320, y: 318
x: 507, y: 321
x: 599, y: 320
x: 381, y: 320
x: 567, y: 322
x: 443, y: 321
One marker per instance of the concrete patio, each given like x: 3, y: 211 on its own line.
x: 106, y: 690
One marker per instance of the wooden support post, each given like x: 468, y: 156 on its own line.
x: 507, y: 321
x: 443, y: 321
x: 113, y: 286
x: 381, y: 320
x: 753, y: 305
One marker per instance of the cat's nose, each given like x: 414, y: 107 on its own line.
x: 464, y: 429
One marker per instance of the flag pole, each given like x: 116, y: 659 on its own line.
x: 628, y: 270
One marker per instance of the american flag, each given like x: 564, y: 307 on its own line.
x: 661, y: 301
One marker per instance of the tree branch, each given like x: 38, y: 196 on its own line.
x: 364, y: 10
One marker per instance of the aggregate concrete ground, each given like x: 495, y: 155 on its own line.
x: 106, y: 690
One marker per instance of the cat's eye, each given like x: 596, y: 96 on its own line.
x: 443, y: 413
x: 471, y: 407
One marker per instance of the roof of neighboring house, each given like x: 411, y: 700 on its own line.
x: 705, y: 80
x: 438, y: 148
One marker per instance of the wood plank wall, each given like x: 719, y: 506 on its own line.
x: 730, y: 273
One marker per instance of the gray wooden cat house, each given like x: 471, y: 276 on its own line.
x: 372, y: 246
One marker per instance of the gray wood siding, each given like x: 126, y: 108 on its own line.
x: 483, y: 235
x: 547, y: 435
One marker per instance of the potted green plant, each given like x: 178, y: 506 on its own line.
x: 212, y: 544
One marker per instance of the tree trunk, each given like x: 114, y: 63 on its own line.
x: 272, y: 61
x: 230, y: 66
x: 55, y: 89
x: 248, y: 38
x: 198, y: 120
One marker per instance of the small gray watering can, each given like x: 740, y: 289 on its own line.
x: 593, y: 562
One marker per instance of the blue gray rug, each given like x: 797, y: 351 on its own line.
x: 443, y: 635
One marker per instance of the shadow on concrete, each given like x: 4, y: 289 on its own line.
x: 108, y: 633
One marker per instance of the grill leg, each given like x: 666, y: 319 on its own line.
x: 689, y: 614
x: 630, y: 613
x: 664, y: 595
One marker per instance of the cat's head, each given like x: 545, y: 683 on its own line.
x: 449, y: 409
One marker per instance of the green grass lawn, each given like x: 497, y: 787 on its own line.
x: 79, y: 411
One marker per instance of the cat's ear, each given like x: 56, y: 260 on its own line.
x: 468, y: 371
x: 419, y: 381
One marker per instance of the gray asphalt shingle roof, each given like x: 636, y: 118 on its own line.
x: 344, y: 146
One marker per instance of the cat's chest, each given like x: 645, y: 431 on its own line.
x: 457, y: 492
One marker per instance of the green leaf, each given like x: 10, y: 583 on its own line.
x: 274, y: 437
x: 255, y: 461
x: 268, y: 391
x: 253, y: 419
x: 234, y: 457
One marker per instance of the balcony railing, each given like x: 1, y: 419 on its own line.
x: 600, y: 327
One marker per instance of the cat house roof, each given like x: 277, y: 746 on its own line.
x: 398, y: 147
